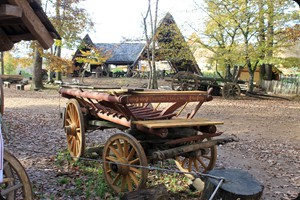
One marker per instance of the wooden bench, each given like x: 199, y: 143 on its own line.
x: 6, y: 84
x: 20, y: 86
x: 179, y: 122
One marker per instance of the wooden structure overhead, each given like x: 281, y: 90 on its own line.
x: 24, y: 20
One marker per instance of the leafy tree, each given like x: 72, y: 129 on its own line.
x: 10, y: 63
x: 254, y: 29
x: 70, y: 21
x: 91, y: 56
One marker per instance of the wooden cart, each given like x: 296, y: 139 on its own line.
x: 15, y: 184
x: 157, y: 125
x: 227, y: 88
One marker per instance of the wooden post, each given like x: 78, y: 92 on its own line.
x: 238, y: 184
x: 2, y: 62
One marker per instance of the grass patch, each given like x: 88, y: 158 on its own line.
x: 86, y: 179
x: 80, y: 178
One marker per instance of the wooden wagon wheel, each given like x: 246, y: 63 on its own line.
x: 1, y: 98
x: 231, y: 90
x: 199, y: 161
x: 185, y: 81
x: 16, y: 184
x: 124, y: 149
x: 74, y: 128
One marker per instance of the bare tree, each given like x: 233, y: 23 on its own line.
x: 151, y: 43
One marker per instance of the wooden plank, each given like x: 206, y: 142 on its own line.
x: 34, y: 24
x: 9, y: 11
x: 17, y: 38
x: 177, y: 123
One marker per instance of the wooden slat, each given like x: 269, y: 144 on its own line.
x: 177, y: 123
x: 9, y: 11
x: 17, y: 38
x: 34, y: 24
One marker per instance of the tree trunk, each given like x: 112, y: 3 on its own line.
x: 228, y: 74
x: 251, y: 81
x: 2, y: 62
x: 238, y: 184
x: 268, y: 72
x: 37, y: 69
x: 58, y: 54
x: 157, y: 192
x: 262, y: 72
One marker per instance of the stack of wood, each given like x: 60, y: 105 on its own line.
x: 12, y: 78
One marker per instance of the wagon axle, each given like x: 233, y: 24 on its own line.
x: 171, y: 153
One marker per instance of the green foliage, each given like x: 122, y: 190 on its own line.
x: 116, y: 70
x: 90, y: 183
x: 70, y: 20
x: 249, y: 33
x: 85, y: 178
x: 92, y: 56
x: 25, y: 74
x: 10, y: 63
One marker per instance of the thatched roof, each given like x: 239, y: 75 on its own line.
x: 121, y: 53
x: 173, y: 47
x: 24, y: 20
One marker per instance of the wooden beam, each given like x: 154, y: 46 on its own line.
x: 18, y: 38
x: 34, y: 24
x: 9, y: 11
x: 5, y: 43
x: 11, y: 22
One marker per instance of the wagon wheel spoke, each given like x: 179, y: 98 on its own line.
x: 129, y: 183
x: 126, y: 148
x: 74, y: 127
x: 115, y: 152
x: 134, y: 178
x: 231, y: 90
x: 16, y: 184
x: 196, y: 165
x: 197, y: 162
x: 183, y: 81
x: 132, y: 162
x: 135, y: 170
x: 110, y: 158
x: 120, y: 151
x: 202, y: 163
x: 120, y: 148
x: 123, y: 183
x: 116, y: 179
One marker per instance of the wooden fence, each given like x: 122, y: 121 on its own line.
x: 281, y: 87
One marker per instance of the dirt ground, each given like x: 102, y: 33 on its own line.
x: 269, y: 133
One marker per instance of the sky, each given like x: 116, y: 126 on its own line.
x: 116, y: 20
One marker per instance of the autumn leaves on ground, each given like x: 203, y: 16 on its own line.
x: 269, y: 133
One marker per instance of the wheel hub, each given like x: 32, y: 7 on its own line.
x: 71, y: 129
x: 119, y: 168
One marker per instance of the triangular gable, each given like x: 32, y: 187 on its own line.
x: 86, y: 41
x: 173, y: 47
